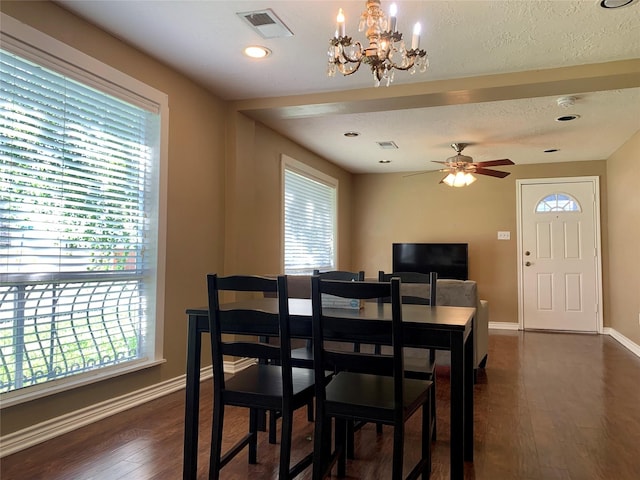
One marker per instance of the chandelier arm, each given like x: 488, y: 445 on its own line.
x: 413, y: 58
x: 346, y: 73
x: 353, y: 60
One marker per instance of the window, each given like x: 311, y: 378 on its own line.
x: 309, y: 219
x: 558, y: 202
x: 80, y: 205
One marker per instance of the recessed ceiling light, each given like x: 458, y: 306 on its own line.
x: 351, y: 134
x: 616, y: 3
x: 567, y: 118
x: 551, y: 150
x: 384, y: 161
x: 256, y: 51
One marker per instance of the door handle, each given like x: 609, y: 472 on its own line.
x: 528, y: 264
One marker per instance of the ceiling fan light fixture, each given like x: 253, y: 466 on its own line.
x: 459, y: 179
x: 461, y: 168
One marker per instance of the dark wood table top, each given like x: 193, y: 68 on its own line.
x: 435, y: 318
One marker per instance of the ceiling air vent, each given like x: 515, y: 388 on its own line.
x: 266, y: 23
x: 388, y: 145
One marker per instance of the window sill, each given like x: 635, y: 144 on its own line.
x: 35, y: 392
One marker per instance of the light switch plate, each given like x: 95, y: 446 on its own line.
x: 504, y: 235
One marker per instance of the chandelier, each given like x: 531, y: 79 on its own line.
x: 386, y: 51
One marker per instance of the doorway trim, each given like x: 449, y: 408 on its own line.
x: 598, y: 243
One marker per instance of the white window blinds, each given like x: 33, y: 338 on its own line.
x: 309, y: 222
x: 75, y: 172
x: 79, y: 193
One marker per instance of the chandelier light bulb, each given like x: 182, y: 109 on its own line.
x: 393, y: 11
x: 415, y: 39
x: 341, y: 24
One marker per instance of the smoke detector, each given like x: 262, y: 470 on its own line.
x: 566, y: 102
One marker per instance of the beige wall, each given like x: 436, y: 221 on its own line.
x: 624, y: 240
x: 254, y: 192
x: 202, y: 133
x: 392, y: 208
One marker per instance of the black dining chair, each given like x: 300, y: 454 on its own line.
x: 264, y: 386
x: 303, y: 356
x: 418, y: 289
x: 366, y: 386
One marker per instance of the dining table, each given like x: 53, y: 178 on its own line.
x: 430, y: 327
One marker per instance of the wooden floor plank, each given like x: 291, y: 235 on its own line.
x: 548, y: 406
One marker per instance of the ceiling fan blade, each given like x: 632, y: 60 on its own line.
x: 491, y: 173
x: 415, y: 173
x: 438, y: 161
x: 495, y: 163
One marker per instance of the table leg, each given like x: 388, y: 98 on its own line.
x: 469, y: 380
x: 457, y: 405
x: 192, y: 402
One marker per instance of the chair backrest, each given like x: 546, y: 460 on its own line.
x: 411, y: 294
x: 341, y: 275
x: 350, y: 326
x: 240, y: 319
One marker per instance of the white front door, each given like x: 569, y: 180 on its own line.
x: 559, y: 254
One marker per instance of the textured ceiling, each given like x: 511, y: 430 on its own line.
x: 471, y: 92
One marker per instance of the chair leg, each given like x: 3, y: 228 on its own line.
x: 433, y: 409
x: 253, y: 431
x: 285, y: 444
x: 398, y: 451
x: 273, y: 426
x: 427, y: 410
x: 321, y: 446
x: 341, y: 439
x: 310, y: 411
x: 351, y: 449
x: 216, y: 441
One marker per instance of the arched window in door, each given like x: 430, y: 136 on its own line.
x: 558, y: 202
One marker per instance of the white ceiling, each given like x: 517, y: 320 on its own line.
x: 422, y: 113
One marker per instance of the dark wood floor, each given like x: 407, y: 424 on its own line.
x: 548, y: 406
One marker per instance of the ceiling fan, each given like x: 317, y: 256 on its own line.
x: 461, y: 167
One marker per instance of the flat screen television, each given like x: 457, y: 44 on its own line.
x: 448, y: 260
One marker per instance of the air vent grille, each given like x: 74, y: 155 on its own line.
x: 266, y: 23
x: 388, y: 145
x: 259, y: 19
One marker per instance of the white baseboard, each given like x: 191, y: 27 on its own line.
x: 41, y: 432
x: 235, y: 367
x: 55, y: 427
x: 632, y: 346
x: 504, y: 326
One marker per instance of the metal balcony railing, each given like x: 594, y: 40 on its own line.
x: 56, y: 326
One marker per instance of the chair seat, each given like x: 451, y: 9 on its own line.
x: 374, y: 393
x: 267, y: 380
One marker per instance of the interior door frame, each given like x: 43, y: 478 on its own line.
x: 520, y: 259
